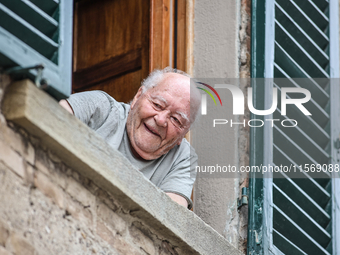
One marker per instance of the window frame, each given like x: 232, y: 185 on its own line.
x: 260, y: 221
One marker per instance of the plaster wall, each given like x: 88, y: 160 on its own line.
x: 222, y: 50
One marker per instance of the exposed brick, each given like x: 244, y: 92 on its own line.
x: 78, y: 211
x: 114, y: 221
x: 49, y: 189
x: 45, y: 165
x: 29, y: 175
x: 3, y: 251
x: 78, y: 192
x: 103, y: 196
x: 12, y: 159
x: 18, y: 143
x: 42, y: 162
x: 142, y: 240
x: 4, y: 232
x: 167, y: 249
x: 116, y: 241
x: 125, y: 248
x: 105, y: 233
x: 19, y: 245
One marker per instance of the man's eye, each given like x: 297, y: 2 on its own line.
x: 156, y: 105
x: 176, y: 120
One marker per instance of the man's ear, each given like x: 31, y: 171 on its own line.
x: 137, y: 96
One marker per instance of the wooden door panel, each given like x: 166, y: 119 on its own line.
x: 120, y: 86
x: 116, y: 66
x: 113, y: 38
x: 111, y: 41
x: 106, y: 29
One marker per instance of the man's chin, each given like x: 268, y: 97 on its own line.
x: 147, y: 155
x: 144, y: 153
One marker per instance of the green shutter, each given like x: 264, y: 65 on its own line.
x: 38, y: 32
x: 296, y: 213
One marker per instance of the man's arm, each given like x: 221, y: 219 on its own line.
x: 178, y: 199
x: 66, y: 106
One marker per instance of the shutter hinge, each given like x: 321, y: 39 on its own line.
x: 337, y: 144
x: 244, y: 198
x: 19, y: 71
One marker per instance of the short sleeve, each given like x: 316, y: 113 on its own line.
x: 181, y: 178
x: 91, y: 107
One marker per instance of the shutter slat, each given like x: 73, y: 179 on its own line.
x: 301, y: 36
x: 305, y: 22
x: 298, y: 53
x: 286, y: 246
x: 313, y: 189
x: 26, y: 32
x: 319, y: 115
x: 314, y: 13
x: 308, y: 125
x: 294, y: 151
x: 300, y: 217
x: 295, y: 234
x: 321, y: 4
x: 310, y: 84
x: 48, y: 6
x: 305, y: 142
x: 33, y: 15
x: 308, y: 205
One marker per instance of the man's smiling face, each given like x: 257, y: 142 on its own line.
x: 159, y: 118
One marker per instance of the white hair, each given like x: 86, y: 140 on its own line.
x: 155, y: 78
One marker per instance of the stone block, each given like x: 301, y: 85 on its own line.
x: 79, y: 193
x: 4, y: 232
x: 142, y: 240
x: 112, y: 219
x: 12, y: 159
x: 45, y: 165
x: 19, y: 245
x: 104, y: 233
x: 49, y: 189
x: 77, y: 211
x: 124, y: 247
x: 18, y: 143
x: 3, y: 251
x: 29, y: 175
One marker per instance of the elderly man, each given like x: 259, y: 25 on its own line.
x: 150, y: 131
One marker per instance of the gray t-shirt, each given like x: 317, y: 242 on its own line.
x: 170, y: 172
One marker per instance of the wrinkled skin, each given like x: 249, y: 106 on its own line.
x: 159, y: 118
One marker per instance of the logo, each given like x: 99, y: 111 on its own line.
x: 239, y: 103
x: 238, y: 99
x: 204, y: 97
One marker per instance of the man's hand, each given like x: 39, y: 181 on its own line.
x: 178, y: 199
x: 66, y: 105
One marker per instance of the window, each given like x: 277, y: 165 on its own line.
x: 38, y: 32
x: 296, y: 44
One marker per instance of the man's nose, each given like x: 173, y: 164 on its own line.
x: 162, y: 118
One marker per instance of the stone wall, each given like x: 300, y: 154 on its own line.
x: 222, y: 50
x: 48, y: 208
x: 65, y: 191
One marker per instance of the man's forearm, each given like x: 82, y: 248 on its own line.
x: 178, y: 199
x: 66, y: 106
